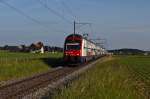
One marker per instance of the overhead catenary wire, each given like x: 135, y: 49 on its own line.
x: 91, y: 27
x: 67, y: 8
x: 83, y: 24
x: 27, y: 16
x: 22, y: 13
x: 34, y: 19
x: 53, y: 11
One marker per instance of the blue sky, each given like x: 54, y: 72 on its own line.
x: 124, y: 23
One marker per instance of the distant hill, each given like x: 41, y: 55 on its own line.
x: 127, y: 51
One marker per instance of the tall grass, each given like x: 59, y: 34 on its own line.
x: 107, y: 80
x: 14, y: 65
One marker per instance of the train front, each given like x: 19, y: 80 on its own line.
x: 72, y: 48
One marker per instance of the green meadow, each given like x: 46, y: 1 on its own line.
x: 14, y: 65
x: 118, y: 77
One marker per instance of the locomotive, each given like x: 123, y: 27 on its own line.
x: 78, y: 49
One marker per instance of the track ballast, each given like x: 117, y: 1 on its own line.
x: 19, y: 89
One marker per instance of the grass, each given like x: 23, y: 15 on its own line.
x: 14, y: 65
x: 140, y: 65
x: 118, y: 78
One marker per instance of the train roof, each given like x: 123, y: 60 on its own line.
x: 80, y: 36
x: 76, y: 35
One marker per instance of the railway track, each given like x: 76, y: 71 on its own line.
x: 28, y: 85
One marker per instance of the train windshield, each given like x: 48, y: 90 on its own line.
x: 75, y: 46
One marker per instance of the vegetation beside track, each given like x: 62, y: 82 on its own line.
x: 122, y: 77
x: 14, y: 65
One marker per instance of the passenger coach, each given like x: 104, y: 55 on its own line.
x: 78, y: 49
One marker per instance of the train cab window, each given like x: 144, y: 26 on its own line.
x: 73, y: 44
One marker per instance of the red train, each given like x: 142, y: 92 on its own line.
x: 78, y: 49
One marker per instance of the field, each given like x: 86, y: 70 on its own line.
x: 118, y: 77
x: 15, y: 65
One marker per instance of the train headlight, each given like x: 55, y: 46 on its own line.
x: 78, y: 54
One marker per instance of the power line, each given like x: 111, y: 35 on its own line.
x: 68, y: 9
x: 82, y: 24
x: 101, y: 42
x: 21, y: 12
x: 53, y: 11
x: 27, y: 16
x: 92, y: 31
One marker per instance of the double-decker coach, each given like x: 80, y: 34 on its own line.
x: 78, y: 49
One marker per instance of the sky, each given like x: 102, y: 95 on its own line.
x: 123, y: 23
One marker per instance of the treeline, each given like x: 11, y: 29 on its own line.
x: 128, y: 51
x: 24, y: 48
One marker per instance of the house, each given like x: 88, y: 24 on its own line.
x: 37, y: 48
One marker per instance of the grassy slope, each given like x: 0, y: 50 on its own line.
x: 109, y: 80
x: 15, y: 65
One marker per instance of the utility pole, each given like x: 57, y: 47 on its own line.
x: 74, y: 27
x: 75, y: 23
